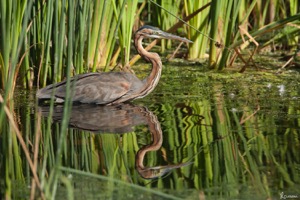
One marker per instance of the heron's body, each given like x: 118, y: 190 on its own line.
x: 112, y: 87
x: 85, y: 92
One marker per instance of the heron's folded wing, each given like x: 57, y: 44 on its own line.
x: 101, y: 88
x: 47, y: 92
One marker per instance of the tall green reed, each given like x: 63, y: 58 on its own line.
x: 55, y: 174
x: 126, y: 10
x: 230, y: 21
x: 223, y: 18
x: 163, y: 19
x: 44, y: 47
x: 93, y: 49
x: 100, y: 39
x: 200, y: 41
x: 13, y: 19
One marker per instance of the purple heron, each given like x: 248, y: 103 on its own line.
x: 113, y: 87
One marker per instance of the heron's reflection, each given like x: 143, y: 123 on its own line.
x: 121, y: 118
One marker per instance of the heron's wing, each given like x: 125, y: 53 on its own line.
x: 100, y: 88
x: 46, y: 92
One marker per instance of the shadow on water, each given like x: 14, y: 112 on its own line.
x: 208, y: 136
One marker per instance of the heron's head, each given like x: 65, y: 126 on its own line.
x: 153, y: 32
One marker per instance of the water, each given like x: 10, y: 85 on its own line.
x: 199, y: 135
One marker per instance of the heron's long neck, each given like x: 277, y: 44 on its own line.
x: 152, y: 80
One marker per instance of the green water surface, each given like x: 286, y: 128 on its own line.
x: 239, y: 135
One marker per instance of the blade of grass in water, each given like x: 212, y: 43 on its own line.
x: 55, y: 172
x: 125, y: 31
x: 200, y: 21
x: 105, y: 178
x: 59, y: 29
x: 164, y: 20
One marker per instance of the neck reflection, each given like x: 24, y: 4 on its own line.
x: 118, y: 119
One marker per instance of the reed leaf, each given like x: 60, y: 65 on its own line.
x: 125, y: 31
x: 164, y: 20
x: 200, y: 41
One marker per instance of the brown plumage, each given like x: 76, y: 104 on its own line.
x: 113, y: 87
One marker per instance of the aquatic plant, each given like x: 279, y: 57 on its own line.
x: 47, y: 41
x: 232, y: 25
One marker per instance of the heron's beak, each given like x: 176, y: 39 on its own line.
x: 164, y: 35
